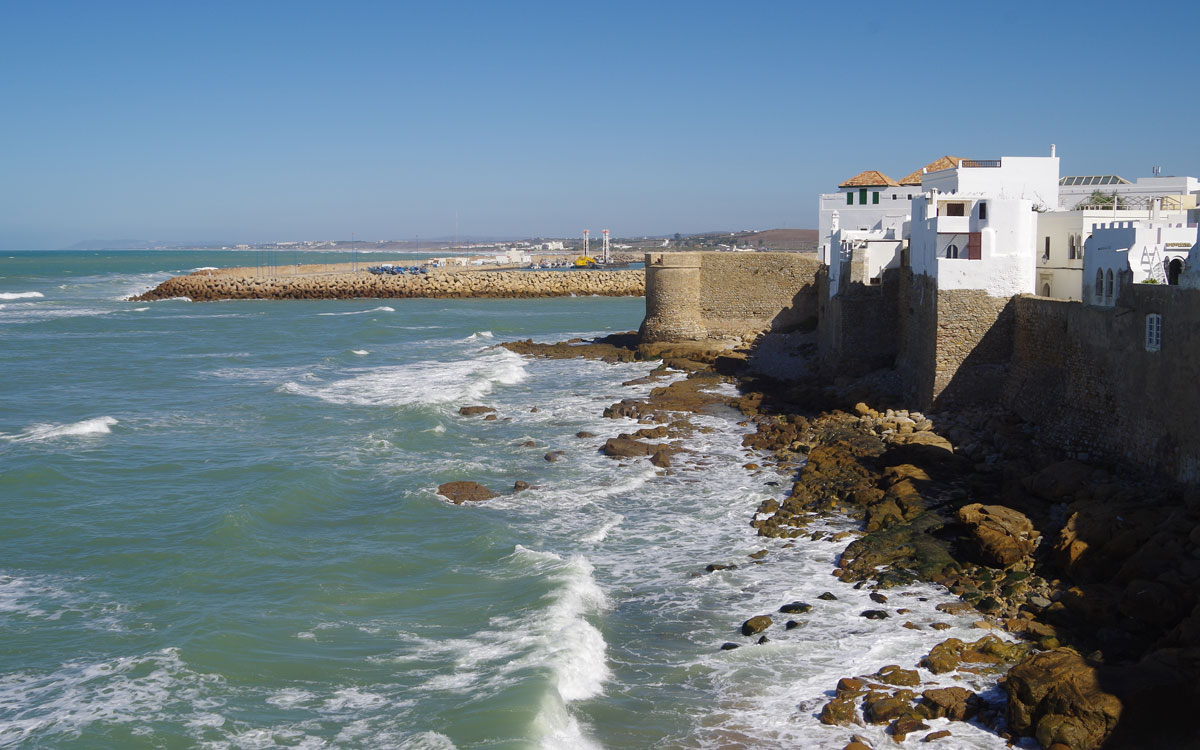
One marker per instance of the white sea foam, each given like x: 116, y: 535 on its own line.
x: 352, y: 699
x: 21, y: 295
x: 382, y: 308
x: 37, y: 433
x: 360, y: 352
x: 203, y: 268
x: 122, y: 690
x: 480, y: 335
x: 419, y: 383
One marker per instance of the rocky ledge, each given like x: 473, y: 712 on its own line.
x: 1093, y: 571
x: 203, y: 287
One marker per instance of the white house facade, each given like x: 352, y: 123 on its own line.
x: 1134, y: 252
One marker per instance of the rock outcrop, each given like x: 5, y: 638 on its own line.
x: 465, y: 492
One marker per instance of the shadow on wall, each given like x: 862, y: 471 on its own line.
x: 974, y: 367
x: 800, y: 315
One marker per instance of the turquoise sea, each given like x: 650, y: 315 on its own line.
x: 220, y: 529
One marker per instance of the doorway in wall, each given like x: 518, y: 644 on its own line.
x: 1174, y: 268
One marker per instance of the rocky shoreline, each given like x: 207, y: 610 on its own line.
x: 1091, y: 572
x: 211, y: 286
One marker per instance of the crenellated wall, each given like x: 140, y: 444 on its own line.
x: 711, y: 295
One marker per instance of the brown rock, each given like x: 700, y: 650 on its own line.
x: 467, y: 411
x: 1004, y: 536
x: 756, y: 624
x: 954, y: 703
x: 585, y: 434
x: 936, y: 735
x: 626, y: 448
x: 1057, y: 697
x: 661, y: 457
x: 886, y: 708
x: 838, y: 712
x: 893, y: 674
x: 520, y: 486
x: 462, y: 492
x: 905, y: 726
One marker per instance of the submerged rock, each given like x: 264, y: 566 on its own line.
x: 464, y: 492
x: 468, y: 411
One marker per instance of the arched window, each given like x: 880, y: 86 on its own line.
x: 1108, y: 287
x: 1071, y: 247
x: 1099, y: 285
x: 1045, y: 290
x: 951, y: 250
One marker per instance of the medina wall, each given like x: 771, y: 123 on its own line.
x: 955, y: 344
x: 1083, y: 375
x: 710, y: 295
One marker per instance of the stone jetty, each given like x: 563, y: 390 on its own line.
x: 211, y: 286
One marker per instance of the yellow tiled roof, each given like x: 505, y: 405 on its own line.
x: 946, y: 162
x: 870, y: 178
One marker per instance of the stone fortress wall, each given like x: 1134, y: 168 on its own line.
x: 1082, y: 375
x: 711, y: 295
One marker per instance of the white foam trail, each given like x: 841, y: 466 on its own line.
x: 429, y: 741
x: 21, y: 295
x: 420, y: 383
x: 360, y: 352
x: 41, y: 432
x: 600, y: 533
x: 383, y: 308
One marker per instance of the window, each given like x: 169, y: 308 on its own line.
x: 875, y: 197
x: 1108, y: 286
x: 862, y: 196
x: 1045, y: 290
x: 1153, y: 332
x: 983, y: 210
x: 1046, y: 252
x: 1071, y: 247
x: 1099, y: 285
x: 951, y: 250
x: 955, y: 209
x: 850, y: 198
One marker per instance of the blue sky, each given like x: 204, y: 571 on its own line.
x: 255, y: 121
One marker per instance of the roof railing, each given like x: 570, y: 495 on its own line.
x: 969, y: 163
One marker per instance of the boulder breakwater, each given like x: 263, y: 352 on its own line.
x: 210, y: 286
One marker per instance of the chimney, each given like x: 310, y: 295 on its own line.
x: 1052, y: 149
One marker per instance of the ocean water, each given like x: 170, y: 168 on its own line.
x: 220, y: 530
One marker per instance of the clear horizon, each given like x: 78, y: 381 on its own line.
x: 270, y: 121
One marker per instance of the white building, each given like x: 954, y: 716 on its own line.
x: 1062, y: 236
x: 1097, y: 191
x: 976, y: 227
x: 868, y: 201
x: 1134, y: 252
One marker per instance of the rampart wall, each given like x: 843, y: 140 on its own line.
x: 1084, y: 376
x: 710, y: 295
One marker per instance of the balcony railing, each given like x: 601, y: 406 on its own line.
x: 980, y: 163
